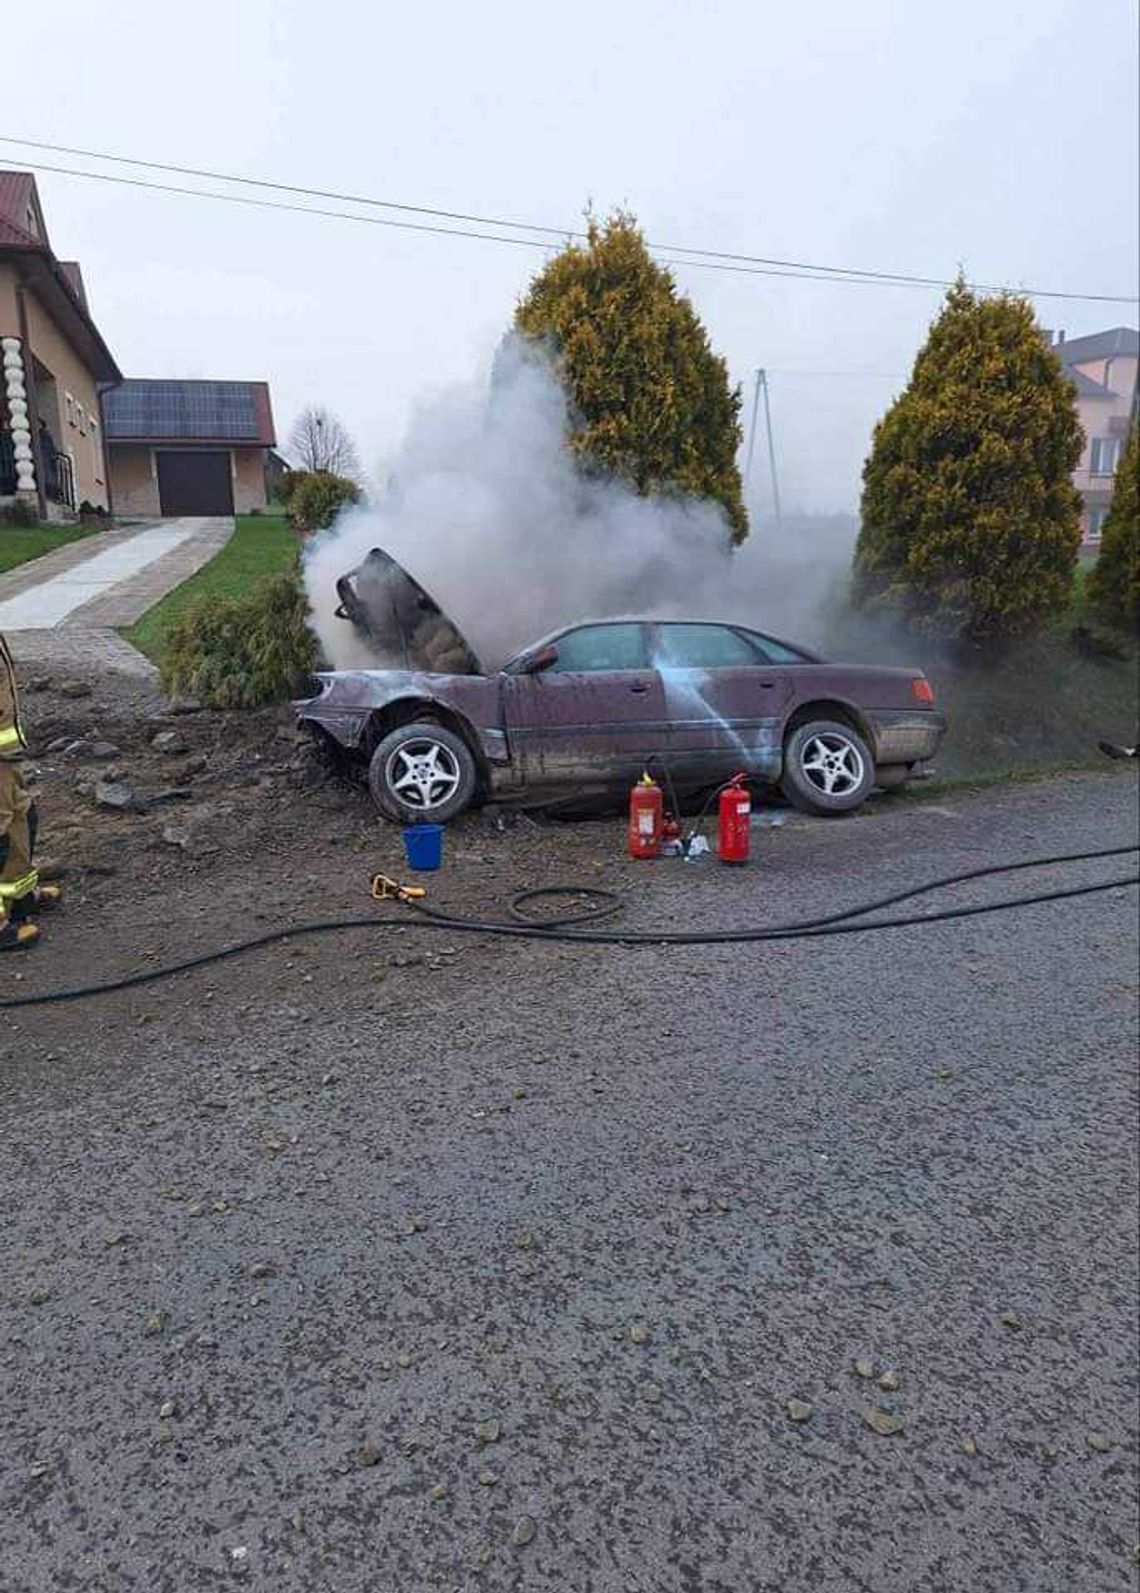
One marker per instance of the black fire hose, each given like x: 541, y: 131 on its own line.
x: 605, y: 903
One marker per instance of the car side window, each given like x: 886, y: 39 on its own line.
x: 703, y: 647
x: 599, y: 647
x: 774, y: 652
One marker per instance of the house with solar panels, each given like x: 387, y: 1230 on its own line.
x: 187, y: 448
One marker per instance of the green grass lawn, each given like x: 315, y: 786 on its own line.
x: 18, y: 544
x: 261, y: 547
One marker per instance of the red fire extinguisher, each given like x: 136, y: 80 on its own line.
x: 733, y: 819
x: 646, y: 818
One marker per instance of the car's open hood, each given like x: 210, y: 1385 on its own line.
x: 403, y: 624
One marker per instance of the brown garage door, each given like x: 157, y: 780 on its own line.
x: 195, y: 483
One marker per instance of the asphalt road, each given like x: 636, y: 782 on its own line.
x: 341, y: 1269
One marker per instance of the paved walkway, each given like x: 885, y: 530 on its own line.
x: 67, y: 606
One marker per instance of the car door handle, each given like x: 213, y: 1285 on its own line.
x: 767, y: 684
x: 640, y: 686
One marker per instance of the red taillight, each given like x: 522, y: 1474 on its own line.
x: 922, y: 690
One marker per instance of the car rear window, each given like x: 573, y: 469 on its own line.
x: 703, y: 647
x: 594, y: 647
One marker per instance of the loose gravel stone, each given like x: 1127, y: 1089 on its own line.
x: 883, y: 1422
x: 525, y: 1529
x: 798, y: 1410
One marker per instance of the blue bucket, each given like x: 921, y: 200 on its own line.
x: 423, y: 846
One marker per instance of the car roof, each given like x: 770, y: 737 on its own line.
x: 663, y: 619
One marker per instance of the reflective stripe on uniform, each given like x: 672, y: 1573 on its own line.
x: 11, y: 737
x: 13, y: 890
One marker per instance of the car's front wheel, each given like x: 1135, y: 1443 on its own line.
x: 828, y: 768
x: 422, y: 774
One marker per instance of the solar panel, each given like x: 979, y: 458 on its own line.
x: 182, y: 409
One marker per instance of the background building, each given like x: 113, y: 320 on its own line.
x: 188, y: 447
x: 1103, y: 368
x: 54, y: 366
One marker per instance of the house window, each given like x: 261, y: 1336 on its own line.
x: 1096, y: 521
x: 96, y: 452
x: 1105, y: 453
x: 69, y: 404
x: 82, y: 419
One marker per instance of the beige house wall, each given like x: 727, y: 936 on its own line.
x: 76, y: 427
x: 249, y: 479
x: 9, y: 314
x: 134, y: 478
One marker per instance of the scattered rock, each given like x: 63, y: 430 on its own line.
x: 525, y: 1240
x: 114, y: 1239
x: 404, y: 1360
x: 60, y: 744
x: 890, y: 1382
x: 73, y: 688
x: 261, y: 1269
x: 438, y: 1492
x: 367, y: 1455
x: 198, y: 764
x: 176, y: 835
x: 798, y: 1410
x: 168, y: 741
x: 524, y: 1532
x: 109, y: 794
x: 883, y: 1422
x: 168, y: 1410
x: 488, y: 1479
x: 1011, y: 1320
x: 104, y: 751
x: 650, y: 1393
x: 638, y: 1333
x: 170, y: 793
x: 1098, y: 1443
x: 969, y: 1447
x: 154, y: 1324
x: 184, y: 705
x: 489, y: 1431
x: 519, y: 1093
x: 76, y: 749
x: 864, y: 1368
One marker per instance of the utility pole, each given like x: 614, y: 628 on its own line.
x: 762, y: 387
x: 752, y: 430
x: 771, y: 449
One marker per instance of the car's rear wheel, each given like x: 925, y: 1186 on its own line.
x: 422, y: 774
x: 828, y: 768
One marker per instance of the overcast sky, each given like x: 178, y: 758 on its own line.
x: 892, y: 134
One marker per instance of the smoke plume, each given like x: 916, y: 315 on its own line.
x: 485, y: 508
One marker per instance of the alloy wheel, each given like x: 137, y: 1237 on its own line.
x: 832, y: 764
x: 424, y: 774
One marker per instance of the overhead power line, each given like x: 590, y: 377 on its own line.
x: 709, y: 259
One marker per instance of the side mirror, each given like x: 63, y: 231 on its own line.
x: 541, y: 660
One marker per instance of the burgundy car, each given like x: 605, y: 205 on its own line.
x: 576, y: 717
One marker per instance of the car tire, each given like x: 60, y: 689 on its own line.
x: 422, y: 773
x: 828, y: 768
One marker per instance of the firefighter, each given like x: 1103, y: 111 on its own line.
x: 21, y: 893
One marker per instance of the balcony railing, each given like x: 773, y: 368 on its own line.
x: 59, y: 473
x: 7, y: 466
x: 59, y: 477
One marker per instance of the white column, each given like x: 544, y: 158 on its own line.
x: 16, y: 395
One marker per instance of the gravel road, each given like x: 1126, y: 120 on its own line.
x: 428, y: 1263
